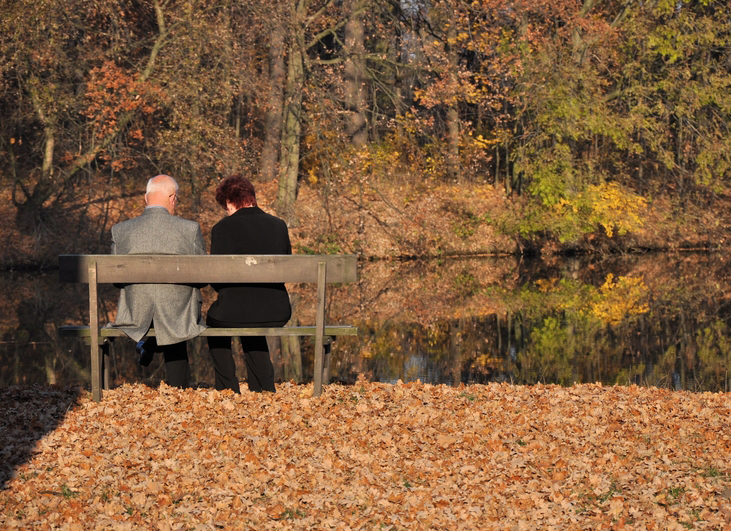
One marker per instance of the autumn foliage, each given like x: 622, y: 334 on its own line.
x: 588, y: 116
x: 369, y: 456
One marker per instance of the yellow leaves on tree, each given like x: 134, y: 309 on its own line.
x: 607, y: 205
x: 615, y: 208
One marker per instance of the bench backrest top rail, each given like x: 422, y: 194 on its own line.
x: 208, y: 269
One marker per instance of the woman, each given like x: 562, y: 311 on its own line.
x: 246, y: 230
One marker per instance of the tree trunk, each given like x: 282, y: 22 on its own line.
x: 453, y: 166
x: 291, y: 126
x: 355, y: 75
x: 50, y: 367
x: 29, y: 210
x: 275, y: 104
x: 292, y: 359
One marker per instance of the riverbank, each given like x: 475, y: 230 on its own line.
x: 368, y: 456
x: 383, y: 219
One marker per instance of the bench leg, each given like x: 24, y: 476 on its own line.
x: 327, y: 347
x: 96, y: 351
x: 96, y: 372
x: 319, y: 328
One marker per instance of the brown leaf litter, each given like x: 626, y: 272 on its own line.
x: 368, y: 456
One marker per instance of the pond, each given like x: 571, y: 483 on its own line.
x: 655, y: 319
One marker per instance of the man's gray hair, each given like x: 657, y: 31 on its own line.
x: 156, y: 184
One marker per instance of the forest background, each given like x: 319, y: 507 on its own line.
x: 387, y: 128
x: 390, y: 129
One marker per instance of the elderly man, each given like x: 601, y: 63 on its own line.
x: 176, y: 308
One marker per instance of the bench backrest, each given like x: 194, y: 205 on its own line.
x: 207, y: 269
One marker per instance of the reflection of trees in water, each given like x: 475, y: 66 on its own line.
x: 682, y: 351
x: 659, y: 321
x: 30, y: 351
x: 563, y: 322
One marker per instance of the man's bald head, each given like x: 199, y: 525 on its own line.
x: 162, y: 190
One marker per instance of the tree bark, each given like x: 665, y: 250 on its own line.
x: 275, y: 104
x: 355, y: 75
x: 28, y: 211
x: 292, y: 123
x: 453, y: 126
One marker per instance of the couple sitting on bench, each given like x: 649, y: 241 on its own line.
x: 174, y: 310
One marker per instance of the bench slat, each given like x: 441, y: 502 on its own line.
x: 330, y: 330
x: 206, y: 269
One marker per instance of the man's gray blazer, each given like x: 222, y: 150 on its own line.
x: 176, y: 309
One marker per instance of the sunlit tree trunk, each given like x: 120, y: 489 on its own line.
x: 578, y: 44
x: 291, y: 132
x: 292, y: 122
x: 397, y: 96
x: 50, y: 359
x: 453, y: 126
x: 355, y: 74
x: 28, y: 213
x: 273, y: 118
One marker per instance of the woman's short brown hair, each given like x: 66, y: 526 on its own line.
x: 236, y: 190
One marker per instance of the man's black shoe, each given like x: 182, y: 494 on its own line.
x: 145, y: 355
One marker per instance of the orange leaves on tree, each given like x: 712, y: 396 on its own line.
x: 112, y: 91
x: 112, y: 94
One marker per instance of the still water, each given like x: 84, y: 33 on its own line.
x: 656, y: 319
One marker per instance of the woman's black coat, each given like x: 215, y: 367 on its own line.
x: 250, y: 230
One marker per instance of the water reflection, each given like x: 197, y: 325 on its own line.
x: 660, y: 320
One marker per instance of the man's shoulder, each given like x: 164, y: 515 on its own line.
x: 126, y: 224
x: 184, y: 222
x: 155, y: 216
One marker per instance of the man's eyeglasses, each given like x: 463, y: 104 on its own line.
x: 175, y: 197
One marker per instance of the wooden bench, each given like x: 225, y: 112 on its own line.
x: 206, y: 269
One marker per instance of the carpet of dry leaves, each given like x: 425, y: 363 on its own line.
x: 368, y: 456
